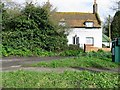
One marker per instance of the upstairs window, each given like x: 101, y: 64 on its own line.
x: 61, y: 23
x: 89, y: 24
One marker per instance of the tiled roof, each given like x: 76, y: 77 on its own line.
x: 78, y: 19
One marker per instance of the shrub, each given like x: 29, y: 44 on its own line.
x: 99, y: 54
x: 33, y: 28
x: 70, y: 53
x: 73, y: 47
x: 8, y: 51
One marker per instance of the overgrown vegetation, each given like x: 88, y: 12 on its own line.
x: 68, y: 79
x: 115, y: 25
x: 31, y: 29
x: 99, y: 54
x: 100, y: 59
x: 72, y: 50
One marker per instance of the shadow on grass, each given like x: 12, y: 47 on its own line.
x: 98, y: 66
x: 95, y: 67
x: 85, y: 69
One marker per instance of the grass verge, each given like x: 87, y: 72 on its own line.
x: 68, y: 79
x: 78, y: 62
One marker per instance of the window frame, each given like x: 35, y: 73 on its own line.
x: 92, y: 38
x: 87, y: 24
x: 76, y: 40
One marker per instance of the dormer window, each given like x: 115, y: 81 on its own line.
x: 89, y: 24
x: 62, y: 23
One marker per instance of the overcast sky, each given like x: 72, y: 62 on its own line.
x: 104, y: 6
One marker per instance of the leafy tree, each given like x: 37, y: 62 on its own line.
x: 115, y: 25
x: 33, y: 28
x: 106, y: 25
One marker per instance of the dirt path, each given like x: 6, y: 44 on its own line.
x: 13, y: 64
x: 60, y: 70
x: 9, y: 62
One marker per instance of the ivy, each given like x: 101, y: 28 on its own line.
x: 32, y: 29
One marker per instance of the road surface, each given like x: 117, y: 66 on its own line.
x: 15, y: 63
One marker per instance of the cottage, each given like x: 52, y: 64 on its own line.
x: 85, y: 28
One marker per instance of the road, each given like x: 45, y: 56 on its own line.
x: 15, y: 63
x: 11, y: 64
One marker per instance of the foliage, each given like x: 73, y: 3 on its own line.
x: 31, y: 29
x: 67, y: 79
x: 89, y: 60
x: 106, y: 25
x: 73, y: 47
x: 99, y: 54
x: 71, y: 52
x: 115, y: 26
x: 8, y: 51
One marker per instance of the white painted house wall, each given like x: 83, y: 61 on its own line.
x: 82, y: 33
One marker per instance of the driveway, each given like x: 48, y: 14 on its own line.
x: 13, y: 63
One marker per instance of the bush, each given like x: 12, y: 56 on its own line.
x: 8, y: 51
x: 72, y: 50
x: 73, y: 47
x: 27, y: 33
x: 99, y: 54
x: 41, y: 52
x: 70, y: 53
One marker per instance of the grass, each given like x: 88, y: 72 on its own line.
x: 68, y: 79
x: 79, y: 62
x: 0, y: 79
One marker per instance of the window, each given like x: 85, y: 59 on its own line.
x: 89, y: 24
x: 90, y: 40
x: 62, y: 23
x: 75, y: 40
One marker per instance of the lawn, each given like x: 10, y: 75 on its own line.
x: 79, y: 62
x: 0, y: 79
x: 68, y: 79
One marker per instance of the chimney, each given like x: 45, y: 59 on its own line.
x: 95, y: 7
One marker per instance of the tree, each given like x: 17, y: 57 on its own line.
x: 106, y: 25
x: 108, y: 20
x: 33, y: 28
x: 115, y: 25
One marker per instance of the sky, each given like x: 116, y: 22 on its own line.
x: 104, y: 6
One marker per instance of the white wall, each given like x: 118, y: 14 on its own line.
x: 82, y: 33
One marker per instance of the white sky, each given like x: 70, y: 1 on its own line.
x: 104, y: 6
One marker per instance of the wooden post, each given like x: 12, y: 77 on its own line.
x: 109, y: 27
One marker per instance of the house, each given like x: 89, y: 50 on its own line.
x: 106, y: 41
x: 85, y: 28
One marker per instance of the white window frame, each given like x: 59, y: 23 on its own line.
x: 90, y: 40
x: 89, y: 24
x: 62, y: 23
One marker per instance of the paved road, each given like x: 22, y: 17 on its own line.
x: 15, y: 63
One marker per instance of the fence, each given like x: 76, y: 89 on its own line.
x: 88, y: 48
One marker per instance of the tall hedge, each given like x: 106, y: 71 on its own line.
x: 32, y: 28
x: 115, y: 25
